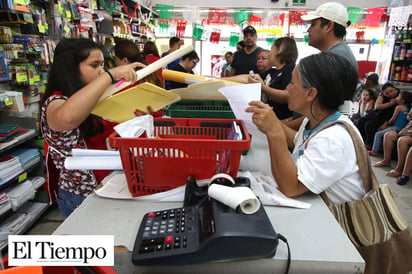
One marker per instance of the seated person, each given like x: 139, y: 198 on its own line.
x: 366, y: 103
x: 403, y: 144
x: 327, y: 161
x: 396, y: 123
x: 383, y: 110
x: 371, y: 81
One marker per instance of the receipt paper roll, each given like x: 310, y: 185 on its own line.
x: 234, y: 197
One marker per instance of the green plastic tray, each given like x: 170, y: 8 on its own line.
x: 200, y: 109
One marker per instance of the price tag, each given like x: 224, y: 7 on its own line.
x: 68, y: 14
x: 22, y: 177
x: 60, y: 9
x: 21, y: 77
x: 8, y: 101
x: 41, y: 28
x: 66, y: 29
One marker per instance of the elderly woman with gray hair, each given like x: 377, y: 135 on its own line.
x: 327, y: 163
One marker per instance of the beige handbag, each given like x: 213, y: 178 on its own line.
x: 407, y: 130
x: 374, y: 224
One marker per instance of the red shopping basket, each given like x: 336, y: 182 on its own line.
x: 182, y: 147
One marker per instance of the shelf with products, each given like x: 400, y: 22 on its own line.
x: 126, y: 19
x: 22, y: 179
x: 401, y: 62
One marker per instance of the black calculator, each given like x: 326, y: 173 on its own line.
x: 207, y: 232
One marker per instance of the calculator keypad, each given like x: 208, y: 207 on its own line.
x: 166, y: 230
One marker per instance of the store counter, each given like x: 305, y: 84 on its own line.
x: 317, y: 243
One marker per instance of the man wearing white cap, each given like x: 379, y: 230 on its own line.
x: 328, y: 27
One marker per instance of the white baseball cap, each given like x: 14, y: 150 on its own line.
x: 332, y: 11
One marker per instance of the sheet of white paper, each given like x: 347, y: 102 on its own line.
x: 94, y: 163
x: 136, y: 127
x: 115, y: 187
x: 239, y: 97
x: 267, y: 190
x: 94, y: 152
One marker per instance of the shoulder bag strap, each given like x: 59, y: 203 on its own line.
x: 368, y: 176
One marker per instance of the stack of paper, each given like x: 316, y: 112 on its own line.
x: 20, y: 194
x: 5, y: 204
x: 20, y: 220
x: 12, y: 226
x: 10, y: 167
x: 37, y: 181
x: 27, y: 156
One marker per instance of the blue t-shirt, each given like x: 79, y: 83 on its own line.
x: 170, y: 66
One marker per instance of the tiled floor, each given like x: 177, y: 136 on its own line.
x: 402, y: 194
x: 48, y: 223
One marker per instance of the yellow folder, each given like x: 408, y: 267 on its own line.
x: 121, y: 106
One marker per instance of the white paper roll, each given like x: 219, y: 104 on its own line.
x: 222, y: 176
x: 162, y: 62
x: 94, y: 163
x: 234, y: 197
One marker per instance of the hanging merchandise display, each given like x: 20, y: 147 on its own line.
x: 295, y: 17
x: 198, y: 31
x: 373, y: 17
x: 181, y: 28
x: 217, y: 16
x: 234, y: 39
x: 215, y: 36
x: 353, y: 14
x: 165, y: 11
x: 270, y: 39
x: 207, y: 32
x: 253, y: 20
x: 112, y: 8
x: 163, y: 25
x: 399, y: 16
x: 240, y: 17
x: 127, y: 12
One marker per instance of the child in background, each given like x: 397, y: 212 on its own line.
x: 366, y: 102
x: 77, y: 80
x: 396, y: 123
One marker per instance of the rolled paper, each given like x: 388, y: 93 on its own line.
x: 222, y: 176
x: 94, y: 163
x: 162, y: 62
x: 182, y: 77
x: 233, y: 197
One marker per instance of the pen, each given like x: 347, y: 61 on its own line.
x: 119, y: 83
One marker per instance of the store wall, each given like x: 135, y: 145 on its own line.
x: 310, y: 4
